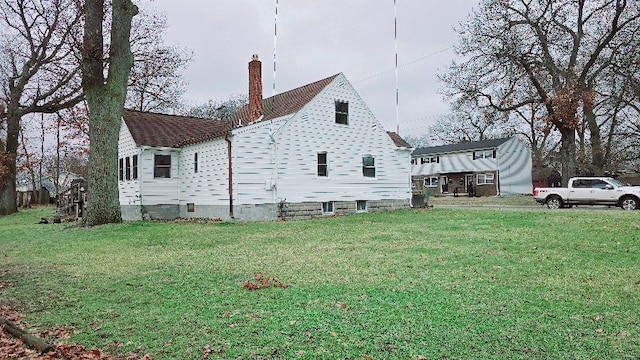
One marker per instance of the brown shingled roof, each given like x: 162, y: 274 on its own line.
x: 284, y: 104
x: 162, y: 130
x: 399, y: 141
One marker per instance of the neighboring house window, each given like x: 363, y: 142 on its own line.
x: 327, y: 207
x: 127, y: 172
x: 484, y: 154
x: 195, y: 162
x: 431, y: 181
x: 485, y: 179
x: 323, y: 169
x: 342, y: 112
x: 414, y: 161
x: 121, y: 169
x: 134, y: 169
x: 432, y: 159
x: 361, y: 205
x: 162, y: 166
x: 191, y: 207
x: 368, y: 166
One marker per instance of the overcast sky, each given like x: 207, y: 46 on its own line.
x: 317, y: 39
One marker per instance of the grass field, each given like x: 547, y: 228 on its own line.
x: 483, y: 200
x: 430, y: 284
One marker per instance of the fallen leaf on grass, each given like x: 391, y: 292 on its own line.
x: 342, y: 305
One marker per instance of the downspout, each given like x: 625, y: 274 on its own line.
x: 230, y: 161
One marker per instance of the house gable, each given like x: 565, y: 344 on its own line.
x: 315, y: 129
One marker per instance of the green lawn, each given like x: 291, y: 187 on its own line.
x: 435, y: 284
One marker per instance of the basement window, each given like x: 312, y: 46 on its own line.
x: 361, y: 205
x: 191, y: 207
x: 327, y: 208
x: 342, y: 112
x: 162, y: 166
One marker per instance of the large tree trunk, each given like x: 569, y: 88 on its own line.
x: 597, y: 155
x: 8, y: 198
x: 104, y: 129
x: 105, y: 99
x: 568, y: 154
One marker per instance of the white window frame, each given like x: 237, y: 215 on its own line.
x: 328, y: 208
x: 361, y: 206
x: 366, y: 168
x: 342, y: 115
x: 483, y: 154
x: 431, y: 182
x: 157, y: 167
x: 487, y: 179
x: 326, y: 164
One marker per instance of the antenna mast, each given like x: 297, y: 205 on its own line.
x: 395, y: 41
x: 275, y: 37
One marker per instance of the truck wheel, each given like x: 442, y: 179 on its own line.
x: 554, y: 202
x: 629, y: 203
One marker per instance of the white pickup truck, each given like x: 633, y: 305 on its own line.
x: 590, y: 191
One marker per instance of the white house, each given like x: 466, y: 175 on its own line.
x: 487, y: 167
x: 312, y: 151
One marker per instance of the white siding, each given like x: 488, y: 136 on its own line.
x: 455, y: 163
x: 158, y: 191
x: 254, y: 163
x: 313, y: 130
x: 208, y: 186
x: 129, y: 189
x: 515, y: 168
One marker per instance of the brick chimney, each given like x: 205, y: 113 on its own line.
x: 255, y: 89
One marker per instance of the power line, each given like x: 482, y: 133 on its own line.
x: 404, y: 65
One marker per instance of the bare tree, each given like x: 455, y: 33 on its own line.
x: 105, y: 98
x: 467, y: 123
x: 559, y: 48
x: 156, y: 82
x: 37, y: 72
x: 219, y: 109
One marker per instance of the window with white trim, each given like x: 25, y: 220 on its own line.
x: 323, y: 168
x: 127, y: 168
x: 162, y: 166
x: 121, y: 169
x: 361, y: 205
x: 485, y: 179
x: 134, y: 167
x: 484, y: 154
x: 327, y: 207
x: 431, y: 181
x: 342, y: 112
x: 368, y: 166
x: 431, y: 159
x: 195, y: 162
